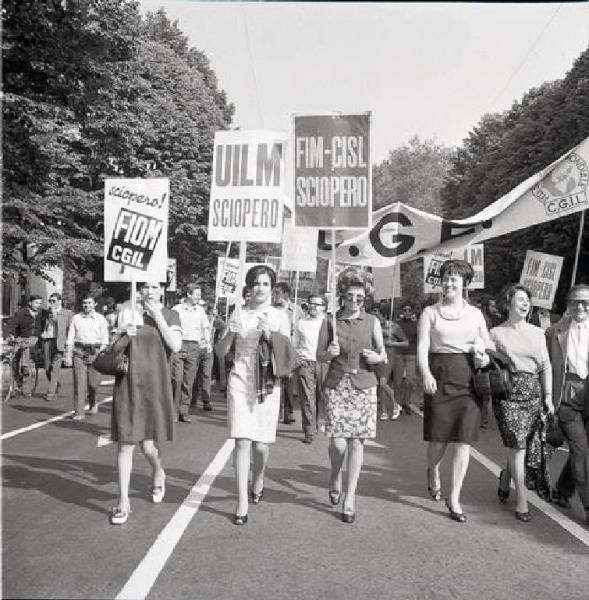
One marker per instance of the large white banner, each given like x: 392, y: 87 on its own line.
x: 474, y: 254
x: 247, y: 188
x: 136, y: 229
x: 540, y: 274
x: 401, y: 232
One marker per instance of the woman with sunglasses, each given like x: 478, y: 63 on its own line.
x: 451, y: 340
x: 350, y: 386
x: 519, y: 417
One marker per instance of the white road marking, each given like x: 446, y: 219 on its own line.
x: 15, y: 432
x: 373, y: 444
x: 569, y: 525
x: 148, y: 570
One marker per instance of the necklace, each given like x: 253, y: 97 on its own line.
x: 451, y: 315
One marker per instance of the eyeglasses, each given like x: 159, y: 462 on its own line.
x: 355, y: 297
x: 52, y: 300
x: 575, y: 302
x: 315, y: 303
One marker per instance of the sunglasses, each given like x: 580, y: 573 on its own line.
x: 52, y: 300
x: 583, y: 303
x: 315, y: 303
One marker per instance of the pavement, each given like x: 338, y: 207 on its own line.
x: 59, y: 484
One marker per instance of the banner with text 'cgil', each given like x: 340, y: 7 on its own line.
x: 332, y: 174
x: 401, y: 232
x: 247, y: 188
x: 136, y: 229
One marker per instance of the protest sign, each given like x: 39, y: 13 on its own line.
x: 387, y: 282
x: 247, y: 188
x: 473, y: 254
x: 401, y: 232
x: 136, y: 229
x: 299, y: 248
x: 540, y: 274
x: 332, y: 174
x: 171, y: 279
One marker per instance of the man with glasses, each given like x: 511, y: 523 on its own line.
x: 310, y: 373
x: 87, y: 336
x: 55, y: 323
x: 568, y: 344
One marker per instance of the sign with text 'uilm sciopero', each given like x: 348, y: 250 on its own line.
x: 332, y: 174
x: 540, y: 274
x: 247, y: 189
x: 136, y: 229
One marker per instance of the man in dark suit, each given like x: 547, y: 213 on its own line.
x: 55, y: 323
x: 568, y: 344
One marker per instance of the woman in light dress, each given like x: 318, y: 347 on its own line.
x: 252, y: 418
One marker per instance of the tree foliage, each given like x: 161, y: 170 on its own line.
x: 95, y: 90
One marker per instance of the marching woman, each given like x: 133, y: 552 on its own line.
x: 143, y: 407
x: 519, y: 417
x: 350, y: 385
x: 452, y: 337
x: 253, y: 399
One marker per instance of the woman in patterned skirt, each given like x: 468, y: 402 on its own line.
x: 350, y: 387
x: 519, y: 418
x: 452, y: 338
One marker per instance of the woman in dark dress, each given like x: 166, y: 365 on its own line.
x: 452, y: 337
x: 143, y: 409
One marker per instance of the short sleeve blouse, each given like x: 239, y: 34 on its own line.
x: 525, y: 345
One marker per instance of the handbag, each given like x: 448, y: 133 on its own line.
x: 113, y: 360
x: 494, y: 380
x: 554, y: 434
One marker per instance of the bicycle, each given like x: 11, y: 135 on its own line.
x: 19, y: 369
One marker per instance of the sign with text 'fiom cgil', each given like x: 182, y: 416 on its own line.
x: 247, y: 188
x: 136, y: 229
x: 332, y: 174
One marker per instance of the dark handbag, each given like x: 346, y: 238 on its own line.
x: 554, y: 434
x: 113, y: 360
x: 494, y: 381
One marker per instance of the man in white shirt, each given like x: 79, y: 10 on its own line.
x: 310, y: 373
x: 568, y: 343
x: 195, y: 341
x: 87, y: 336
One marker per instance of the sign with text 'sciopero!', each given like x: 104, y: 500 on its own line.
x: 332, y: 174
x: 540, y: 274
x: 136, y: 229
x: 247, y: 187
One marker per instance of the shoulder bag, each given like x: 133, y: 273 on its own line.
x: 113, y: 360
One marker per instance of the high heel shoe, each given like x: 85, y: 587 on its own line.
x: 455, y: 516
x: 159, y: 491
x: 503, y: 494
x: 334, y: 497
x: 436, y: 493
x: 523, y: 516
x: 239, y: 519
x: 118, y: 516
x: 255, y: 498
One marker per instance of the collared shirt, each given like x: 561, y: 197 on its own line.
x: 194, y: 321
x: 88, y: 329
x: 306, y: 336
x: 578, y: 348
x: 50, y: 330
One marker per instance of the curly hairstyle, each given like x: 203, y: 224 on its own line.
x: 355, y: 277
x: 507, y: 294
x: 252, y: 275
x: 457, y: 267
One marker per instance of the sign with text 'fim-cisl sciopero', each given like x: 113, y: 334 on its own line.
x: 136, y: 229
x: 540, y: 274
x: 332, y: 175
x: 247, y: 190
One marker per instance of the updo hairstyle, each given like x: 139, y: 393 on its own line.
x: 355, y: 277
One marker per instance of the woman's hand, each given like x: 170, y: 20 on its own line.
x: 430, y: 385
x: 131, y: 330
x: 235, y: 327
x: 548, y: 404
x: 371, y: 357
x: 151, y: 308
x: 264, y: 325
x: 333, y: 350
x: 481, y: 360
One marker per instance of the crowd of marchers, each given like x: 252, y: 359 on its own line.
x: 345, y: 369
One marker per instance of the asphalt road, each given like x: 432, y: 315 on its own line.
x: 59, y: 485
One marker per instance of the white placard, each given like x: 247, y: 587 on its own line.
x: 473, y: 254
x: 299, y: 248
x: 540, y: 274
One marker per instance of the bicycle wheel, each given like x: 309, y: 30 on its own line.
x: 29, y: 375
x: 7, y: 381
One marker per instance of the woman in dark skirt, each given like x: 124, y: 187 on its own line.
x: 519, y: 418
x: 452, y: 337
x: 143, y: 408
